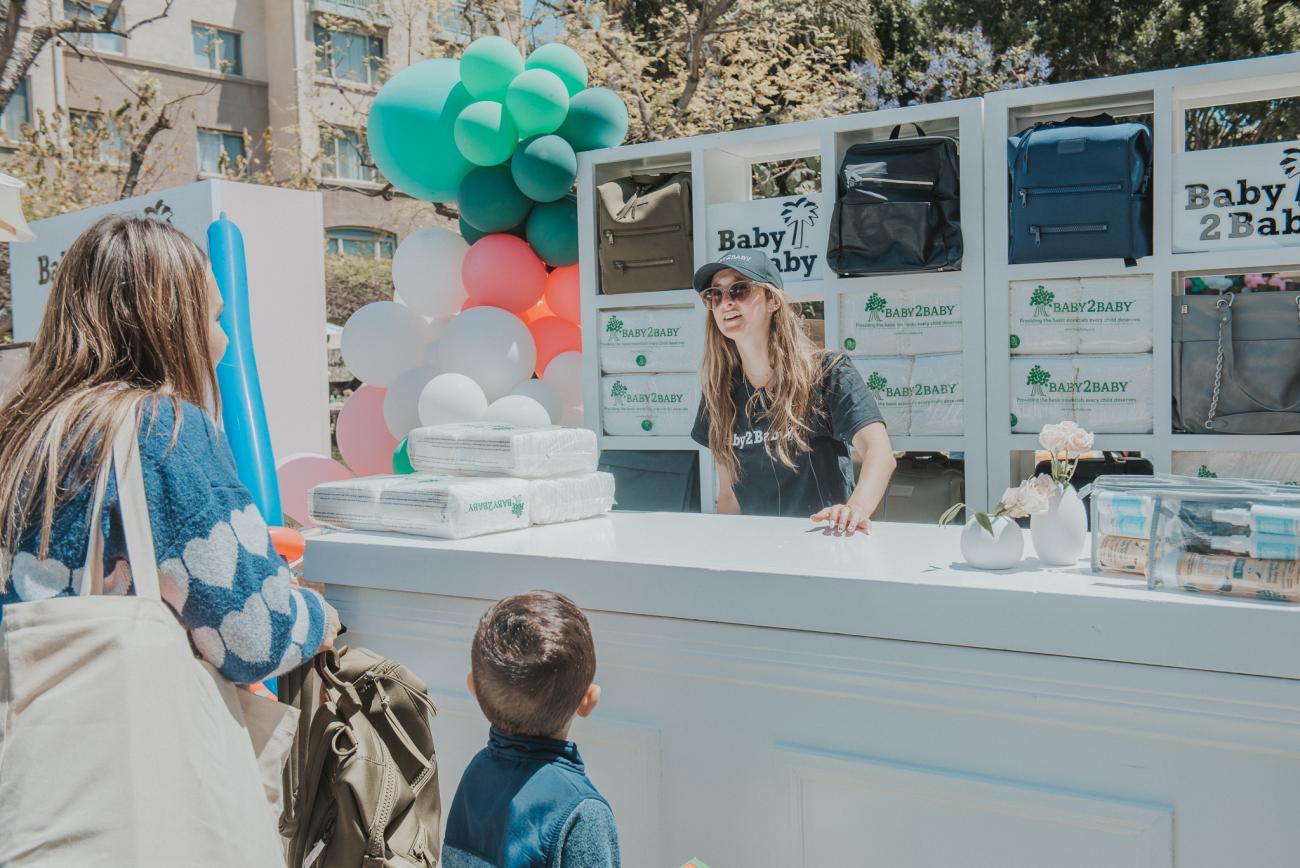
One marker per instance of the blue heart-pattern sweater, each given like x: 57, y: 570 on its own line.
x: 216, y: 566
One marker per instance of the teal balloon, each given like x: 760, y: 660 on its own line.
x: 470, y: 234
x: 553, y: 231
x: 411, y: 130
x: 597, y: 119
x: 537, y: 102
x: 563, y: 61
x: 485, y: 134
x: 490, y: 202
x: 544, y: 168
x: 401, y: 460
x: 488, y: 66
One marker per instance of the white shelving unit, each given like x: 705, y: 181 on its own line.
x: 721, y: 167
x: 1165, y: 96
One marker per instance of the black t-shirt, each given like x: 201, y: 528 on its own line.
x: 824, y: 475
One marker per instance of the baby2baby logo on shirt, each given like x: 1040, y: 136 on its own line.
x: 1233, y: 198
x: 788, y: 229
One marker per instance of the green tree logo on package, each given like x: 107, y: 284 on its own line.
x: 517, y: 508
x: 618, y: 390
x: 1206, y: 473
x: 1040, y: 300
x: 875, y: 304
x: 876, y: 383
x: 1038, y: 378
x: 614, y: 326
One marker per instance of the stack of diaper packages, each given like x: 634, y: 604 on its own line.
x: 474, y: 478
x: 907, y: 345
x: 649, y: 363
x: 1081, y: 350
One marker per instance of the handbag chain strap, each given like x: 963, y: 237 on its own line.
x: 1224, y: 304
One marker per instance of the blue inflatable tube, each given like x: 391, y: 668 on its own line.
x: 243, y: 414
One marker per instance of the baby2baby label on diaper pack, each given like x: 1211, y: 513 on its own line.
x: 649, y: 404
x: 1081, y: 315
x: 651, y: 340
x: 901, y: 322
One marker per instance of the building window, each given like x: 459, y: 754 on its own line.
x: 220, y: 152
x: 17, y: 112
x: 109, y: 140
x: 90, y: 12
x: 218, y: 50
x: 452, y: 18
x: 353, y: 241
x: 346, y: 157
x: 348, y: 56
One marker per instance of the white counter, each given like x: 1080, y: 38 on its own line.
x: 783, y: 698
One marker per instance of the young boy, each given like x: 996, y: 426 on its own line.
x: 524, y: 800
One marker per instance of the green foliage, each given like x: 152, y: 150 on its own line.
x: 1038, y: 377
x: 875, y: 302
x: 614, y: 325
x: 617, y: 390
x: 352, y: 282
x: 876, y: 382
x: 1041, y: 297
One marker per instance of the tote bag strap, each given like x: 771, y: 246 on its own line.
x: 1230, y: 361
x: 134, y: 508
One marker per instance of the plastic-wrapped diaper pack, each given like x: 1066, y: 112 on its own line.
x: 1105, y: 394
x: 649, y: 404
x: 1081, y: 315
x: 889, y: 380
x: 569, y: 498
x: 494, y: 449
x: 936, y: 400
x: 902, y: 322
x: 650, y: 340
x: 449, y: 507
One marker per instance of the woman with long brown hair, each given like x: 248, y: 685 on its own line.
x: 132, y: 322
x: 778, y: 413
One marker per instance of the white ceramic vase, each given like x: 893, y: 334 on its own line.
x: 1060, y: 534
x: 999, y: 550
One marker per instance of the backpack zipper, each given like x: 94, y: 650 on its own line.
x: 643, y: 263
x: 1066, y: 229
x: 1026, y: 192
x: 611, y: 236
x: 854, y: 181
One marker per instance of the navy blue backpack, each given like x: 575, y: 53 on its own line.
x: 1080, y: 189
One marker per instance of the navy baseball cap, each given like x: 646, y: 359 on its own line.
x: 754, y: 264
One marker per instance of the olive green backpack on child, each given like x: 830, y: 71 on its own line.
x: 361, y: 787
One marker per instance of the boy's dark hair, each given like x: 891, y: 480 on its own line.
x: 533, y: 660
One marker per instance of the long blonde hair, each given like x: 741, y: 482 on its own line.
x: 798, y: 365
x: 127, y: 318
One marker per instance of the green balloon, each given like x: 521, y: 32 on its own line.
x: 410, y: 130
x: 490, y: 202
x: 485, y: 134
x: 401, y: 460
x: 563, y: 61
x: 470, y: 234
x: 488, y: 66
x: 553, y: 231
x: 537, y: 102
x: 544, y: 168
x: 597, y: 119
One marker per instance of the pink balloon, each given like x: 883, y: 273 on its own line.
x: 554, y: 336
x: 364, y: 440
x: 562, y: 293
x: 298, y: 474
x: 502, y: 270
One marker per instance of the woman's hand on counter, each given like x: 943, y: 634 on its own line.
x: 844, y: 518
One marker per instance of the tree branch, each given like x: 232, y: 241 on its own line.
x: 141, y: 149
x: 709, y: 18
x: 643, y: 107
x: 13, y: 17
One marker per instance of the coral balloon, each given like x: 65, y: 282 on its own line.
x: 288, y: 543
x: 411, y: 126
x: 491, y: 345
x: 451, y: 398
x: 488, y: 66
x: 537, y: 101
x: 517, y: 410
x: 544, y: 395
x: 426, y: 271
x: 490, y: 202
x: 298, y: 474
x: 503, y: 271
x: 563, y: 293
x: 536, y: 312
x: 563, y: 61
x: 364, y: 440
x: 544, y: 168
x: 381, y: 340
x: 597, y: 118
x: 554, y: 336
x: 485, y: 133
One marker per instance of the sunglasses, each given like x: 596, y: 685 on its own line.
x: 738, y: 292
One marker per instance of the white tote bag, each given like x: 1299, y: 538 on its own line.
x: 120, y: 748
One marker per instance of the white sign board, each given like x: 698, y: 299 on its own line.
x: 791, y: 230
x: 282, y: 232
x: 1237, y: 198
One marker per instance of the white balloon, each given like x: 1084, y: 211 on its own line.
x: 402, y: 401
x: 426, y: 271
x: 491, y: 345
x: 382, y: 340
x: 517, y: 410
x: 564, y: 375
x: 451, y: 398
x: 542, y: 394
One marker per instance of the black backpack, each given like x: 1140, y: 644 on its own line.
x: 897, y: 207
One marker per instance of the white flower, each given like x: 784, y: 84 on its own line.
x: 1045, y: 484
x: 1052, y: 438
x: 1033, y: 494
x: 1009, y: 504
x: 1079, y: 442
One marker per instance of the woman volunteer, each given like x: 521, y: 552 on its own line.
x: 778, y: 413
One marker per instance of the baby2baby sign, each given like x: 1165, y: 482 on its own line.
x: 1234, y: 198
x: 791, y: 230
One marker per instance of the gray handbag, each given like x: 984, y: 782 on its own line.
x: 1237, y: 363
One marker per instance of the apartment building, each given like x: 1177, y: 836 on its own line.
x: 299, y: 74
